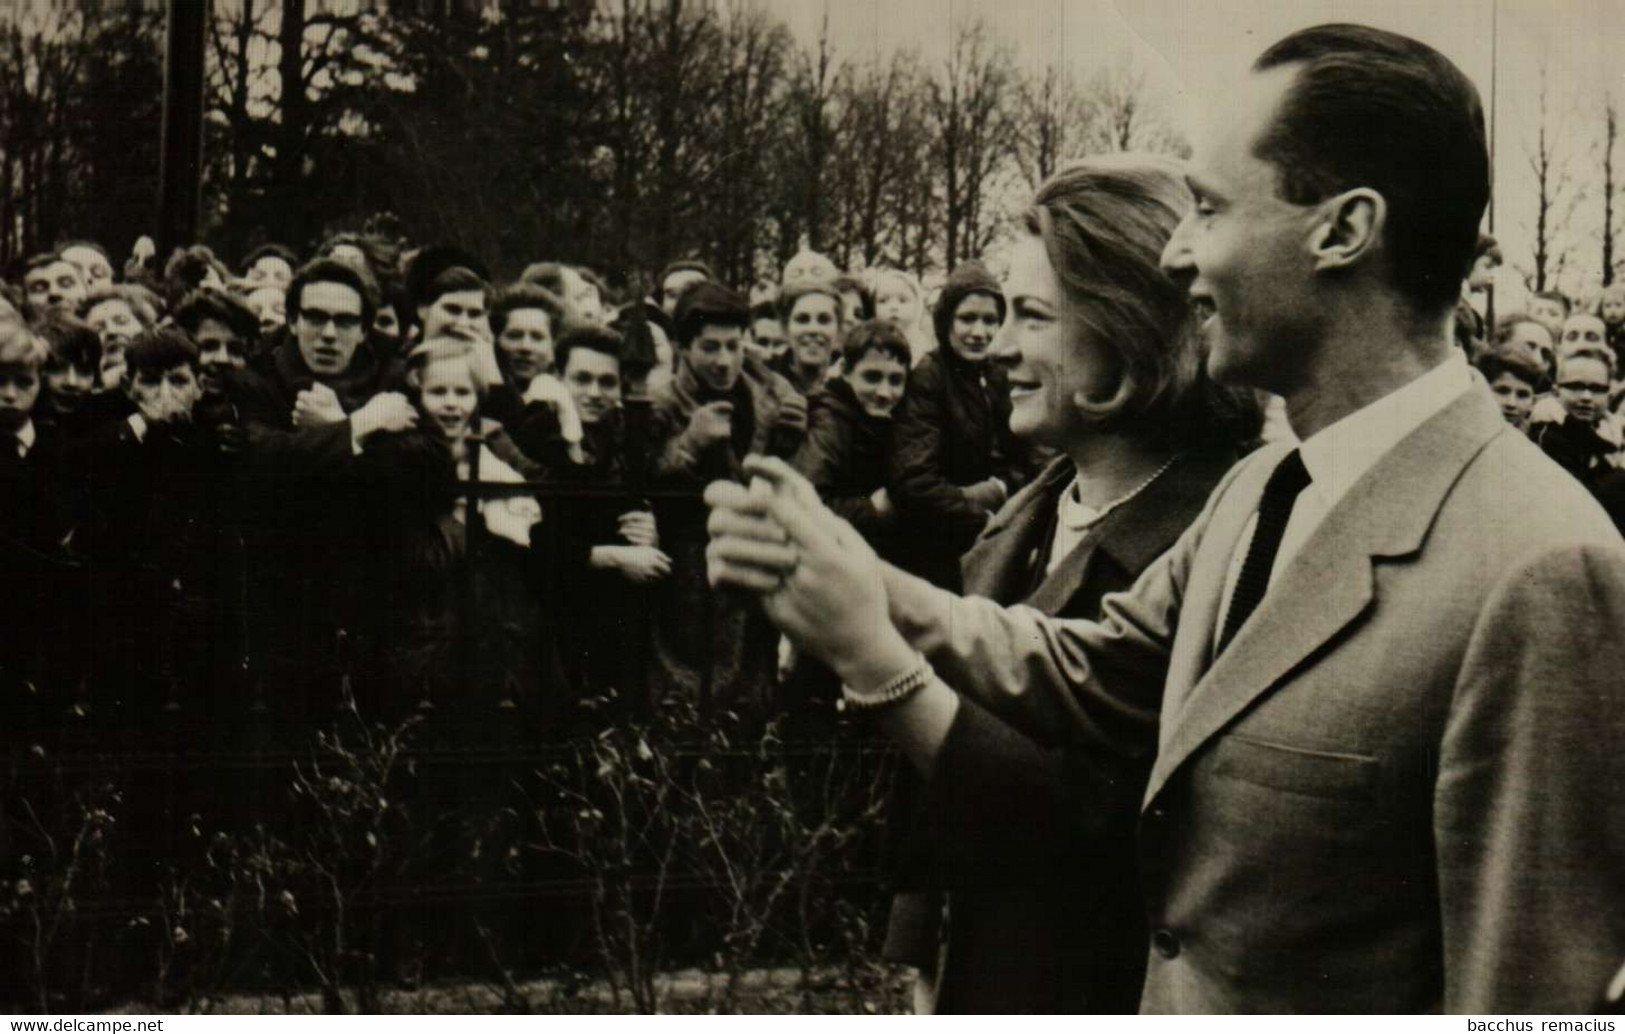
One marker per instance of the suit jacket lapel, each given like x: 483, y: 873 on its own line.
x: 1325, y: 588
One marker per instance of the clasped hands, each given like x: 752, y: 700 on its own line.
x: 816, y: 577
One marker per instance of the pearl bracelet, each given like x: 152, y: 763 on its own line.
x: 893, y: 692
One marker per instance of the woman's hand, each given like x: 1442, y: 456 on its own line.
x: 819, y: 581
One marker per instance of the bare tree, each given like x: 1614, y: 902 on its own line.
x: 971, y: 114
x: 1125, y: 117
x: 1054, y: 123
x: 1554, y: 194
x: 1610, y: 185
x: 814, y: 85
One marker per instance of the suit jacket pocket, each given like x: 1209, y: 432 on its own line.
x: 1298, y: 770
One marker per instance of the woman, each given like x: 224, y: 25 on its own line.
x: 1105, y: 365
x: 953, y: 462
x: 813, y: 322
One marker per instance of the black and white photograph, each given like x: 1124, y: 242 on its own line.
x: 812, y: 507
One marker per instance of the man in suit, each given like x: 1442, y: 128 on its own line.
x: 1379, y: 674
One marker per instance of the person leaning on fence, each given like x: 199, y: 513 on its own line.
x: 609, y: 551
x: 305, y: 413
x: 142, y: 512
x: 73, y: 400
x: 465, y: 632
x: 712, y: 649
x: 32, y: 528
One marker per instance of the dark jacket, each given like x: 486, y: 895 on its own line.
x: 316, y: 561
x: 716, y: 650
x: 1044, y: 909
x: 845, y: 456
x: 952, y: 431
x: 471, y: 637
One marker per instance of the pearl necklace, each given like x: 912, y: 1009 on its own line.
x: 1071, y: 496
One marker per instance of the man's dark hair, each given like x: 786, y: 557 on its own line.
x: 589, y: 336
x: 208, y: 304
x: 1496, y: 361
x: 681, y: 265
x: 764, y: 311
x: 884, y: 336
x: 43, y: 259
x: 457, y: 278
x: 273, y: 250
x: 72, y: 341
x: 1374, y: 109
x: 709, y: 304
x: 526, y: 296
x: 333, y: 271
x: 159, y: 350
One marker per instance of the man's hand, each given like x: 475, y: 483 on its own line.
x: 386, y: 411
x: 710, y: 424
x: 641, y: 565
x: 819, y: 581
x: 638, y: 528
x: 316, y: 406
x: 792, y: 413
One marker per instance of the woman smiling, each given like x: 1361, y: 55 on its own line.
x: 1106, y: 368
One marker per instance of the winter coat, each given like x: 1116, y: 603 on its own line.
x: 952, y: 431
x: 845, y: 457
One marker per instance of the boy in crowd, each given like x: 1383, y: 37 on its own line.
x: 73, y: 402
x: 1584, y: 438
x: 1550, y: 308
x: 141, y: 525
x: 31, y: 532
x: 709, y: 648
x: 608, y: 547
x: 1515, y: 378
x: 767, y: 341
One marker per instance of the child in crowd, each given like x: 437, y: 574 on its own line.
x: 1585, y: 438
x: 898, y: 297
x: 1515, y: 378
x: 429, y: 641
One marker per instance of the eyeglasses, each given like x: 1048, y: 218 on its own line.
x: 1583, y: 387
x: 340, y: 320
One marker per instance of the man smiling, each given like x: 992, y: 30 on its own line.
x: 1377, y: 753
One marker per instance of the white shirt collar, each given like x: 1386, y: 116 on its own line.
x: 1339, y: 455
x: 26, y: 436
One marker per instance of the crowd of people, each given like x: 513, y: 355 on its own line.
x: 249, y: 477
x: 237, y: 488
x: 373, y: 474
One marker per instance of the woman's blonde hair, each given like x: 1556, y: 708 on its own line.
x: 1105, y: 222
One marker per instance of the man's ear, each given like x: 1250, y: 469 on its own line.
x: 1349, y: 229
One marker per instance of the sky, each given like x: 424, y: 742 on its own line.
x: 1189, y: 50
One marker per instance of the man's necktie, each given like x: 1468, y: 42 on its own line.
x: 1290, y: 478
